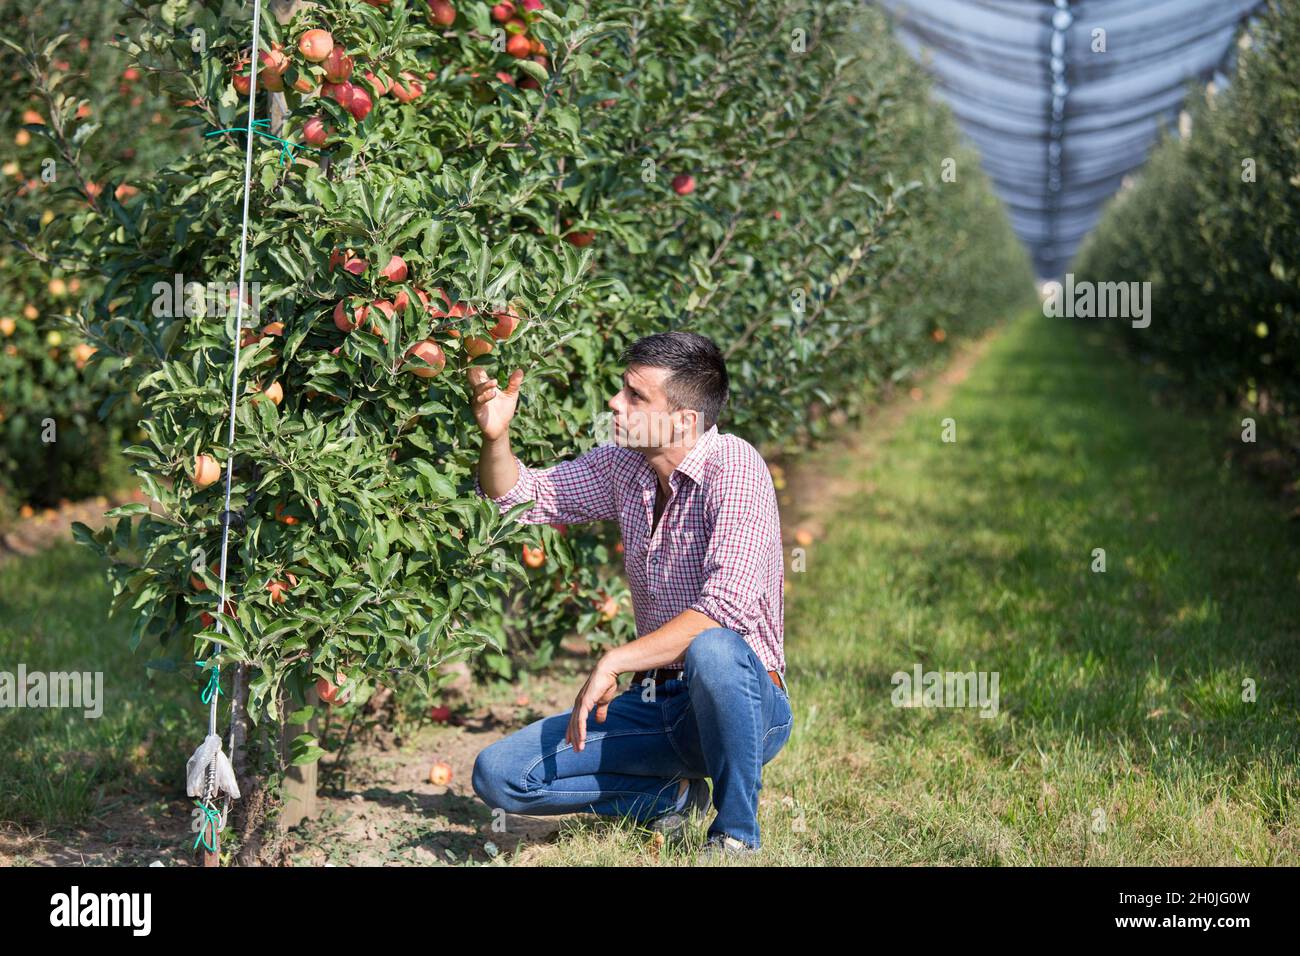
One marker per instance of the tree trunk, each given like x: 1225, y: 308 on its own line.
x: 299, y: 782
x: 262, y: 766
x: 284, y: 11
x: 251, y: 815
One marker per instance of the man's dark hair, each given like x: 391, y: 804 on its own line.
x: 697, y: 371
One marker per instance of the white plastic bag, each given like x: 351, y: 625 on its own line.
x: 196, y: 770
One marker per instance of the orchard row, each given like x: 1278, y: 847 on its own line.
x: 767, y: 177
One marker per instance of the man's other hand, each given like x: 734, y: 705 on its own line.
x: 494, y: 407
x: 601, y: 688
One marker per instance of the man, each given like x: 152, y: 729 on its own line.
x: 703, y: 556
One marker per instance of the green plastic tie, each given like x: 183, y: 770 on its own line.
x: 213, y: 687
x: 262, y: 128
x: 210, y: 820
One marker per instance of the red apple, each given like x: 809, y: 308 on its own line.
x: 274, y: 64
x: 314, y: 131
x: 316, y: 45
x: 341, y: 320
x: 476, y: 346
x: 395, y: 271
x: 227, y: 609
x: 403, y: 300
x: 206, y: 470
x: 503, y: 11
x: 341, y: 93
x: 354, y: 264
x: 683, y: 184
x: 328, y: 690
x: 457, y: 311
x: 431, y: 352
x: 518, y: 46
x: 408, y: 89
x: 278, y: 589
x: 360, y: 104
x: 442, y: 13
x: 338, y: 65
x: 507, y: 322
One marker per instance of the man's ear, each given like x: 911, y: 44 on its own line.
x: 685, y: 425
x: 679, y: 428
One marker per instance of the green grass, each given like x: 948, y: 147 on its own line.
x: 1121, y: 692
x: 1121, y: 736
x: 57, y: 766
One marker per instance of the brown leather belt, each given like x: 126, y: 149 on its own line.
x: 662, y: 674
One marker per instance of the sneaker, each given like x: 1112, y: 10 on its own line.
x: 674, y: 824
x: 721, y: 848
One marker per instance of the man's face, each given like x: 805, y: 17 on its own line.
x: 642, y: 416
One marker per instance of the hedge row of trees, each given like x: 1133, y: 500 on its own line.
x: 58, y: 439
x: 1213, y: 223
x: 772, y: 175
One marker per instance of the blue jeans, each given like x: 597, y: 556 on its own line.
x: 723, y: 719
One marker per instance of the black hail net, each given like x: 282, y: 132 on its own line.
x: 1058, y: 123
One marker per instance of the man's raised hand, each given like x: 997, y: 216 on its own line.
x: 494, y: 406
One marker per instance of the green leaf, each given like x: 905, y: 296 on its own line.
x: 304, y: 750
x: 534, y: 69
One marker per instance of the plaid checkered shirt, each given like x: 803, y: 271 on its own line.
x: 717, y: 547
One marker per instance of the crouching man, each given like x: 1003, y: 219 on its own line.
x: 703, y: 557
